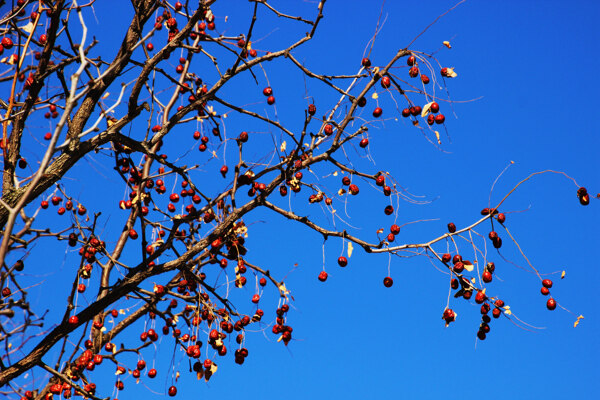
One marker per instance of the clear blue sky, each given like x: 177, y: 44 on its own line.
x: 530, y: 69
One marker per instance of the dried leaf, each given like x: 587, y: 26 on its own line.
x: 437, y: 136
x: 350, y: 249
x: 341, y: 192
x: 283, y: 146
x: 374, y: 96
x: 335, y: 173
x: 380, y: 230
x: 577, y: 322
x: 29, y: 27
x: 447, y: 44
x: 468, y: 266
x: 283, y: 290
x: 425, y: 109
x: 450, y: 73
x: 562, y: 276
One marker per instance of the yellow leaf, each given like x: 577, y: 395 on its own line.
x: 562, y: 276
x: 577, y: 322
x: 350, y: 249
x: 283, y: 146
x: 380, y: 230
x: 374, y: 96
x: 335, y: 173
x: 447, y: 44
x: 437, y: 136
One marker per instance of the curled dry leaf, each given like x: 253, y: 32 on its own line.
x: 562, y: 276
x: 29, y: 27
x: 283, y: 146
x: 468, y: 266
x: 447, y: 44
x: 437, y: 136
x: 350, y: 249
x: 374, y: 96
x: 425, y: 109
x: 577, y: 322
x: 450, y: 73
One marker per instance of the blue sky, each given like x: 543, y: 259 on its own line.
x: 525, y: 93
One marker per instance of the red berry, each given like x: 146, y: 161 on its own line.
x: 410, y: 61
x: 434, y: 107
x: 7, y: 43
x: 451, y: 227
x: 385, y: 82
x: 424, y: 79
x: 271, y: 100
x: 364, y: 143
x: 366, y: 62
x: 496, y: 312
x: 322, y: 276
x: 342, y: 261
x: 268, y: 91
x: 459, y: 267
x: 152, y: 373
x: 544, y: 290
x: 439, y: 119
x: 479, y: 297
x: 501, y: 218
x: 377, y: 112
x: 388, y: 282
x: 413, y: 72
x: 547, y: 283
x: 172, y: 391
x: 551, y: 304
x: 149, y: 46
x: 486, y: 276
